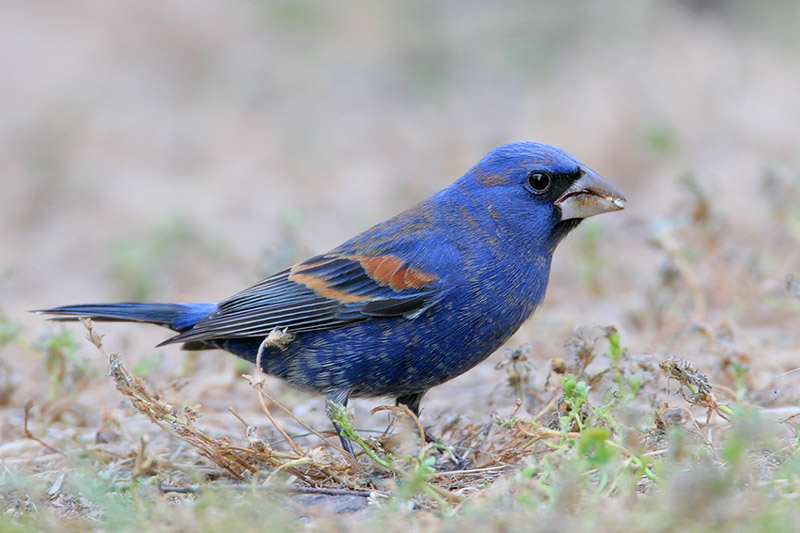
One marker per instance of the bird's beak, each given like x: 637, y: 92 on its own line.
x: 590, y: 195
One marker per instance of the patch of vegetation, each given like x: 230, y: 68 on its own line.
x: 592, y: 453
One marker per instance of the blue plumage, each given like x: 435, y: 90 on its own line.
x: 178, y: 317
x: 412, y: 302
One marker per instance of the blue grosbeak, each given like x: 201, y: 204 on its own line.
x: 413, y: 301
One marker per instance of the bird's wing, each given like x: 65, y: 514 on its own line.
x: 323, y: 292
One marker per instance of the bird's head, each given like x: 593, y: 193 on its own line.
x: 538, y: 192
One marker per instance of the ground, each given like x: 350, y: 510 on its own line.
x: 182, y: 151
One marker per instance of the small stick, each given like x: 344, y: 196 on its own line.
x: 270, y: 340
x: 271, y: 488
x: 28, y: 434
x: 404, y: 410
x: 547, y: 407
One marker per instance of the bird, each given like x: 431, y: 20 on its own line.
x: 410, y: 303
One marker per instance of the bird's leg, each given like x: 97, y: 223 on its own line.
x: 339, y: 397
x: 412, y: 401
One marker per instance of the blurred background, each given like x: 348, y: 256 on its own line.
x: 180, y: 151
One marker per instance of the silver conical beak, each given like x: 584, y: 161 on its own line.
x: 590, y: 195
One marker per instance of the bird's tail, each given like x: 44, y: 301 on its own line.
x: 177, y: 317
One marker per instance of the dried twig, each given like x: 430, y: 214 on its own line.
x: 270, y: 488
x: 237, y: 462
x: 404, y: 411
x: 29, y: 435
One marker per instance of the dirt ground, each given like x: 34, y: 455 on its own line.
x: 181, y: 151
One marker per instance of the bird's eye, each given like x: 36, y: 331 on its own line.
x: 538, y: 182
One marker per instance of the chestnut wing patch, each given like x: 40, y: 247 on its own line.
x: 357, y: 275
x: 369, y: 285
x: 323, y: 292
x: 393, y: 272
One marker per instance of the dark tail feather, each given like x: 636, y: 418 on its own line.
x: 177, y: 317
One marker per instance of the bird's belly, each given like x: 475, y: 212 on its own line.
x: 390, y: 357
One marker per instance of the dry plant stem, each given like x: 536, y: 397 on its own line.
x: 236, y: 461
x: 442, y: 496
x: 248, y: 426
x: 726, y: 390
x: 29, y: 435
x: 541, y: 432
x: 790, y: 418
x: 238, y: 417
x: 405, y: 411
x: 217, y: 451
x: 269, y: 341
x: 145, y: 404
x: 287, y: 466
x: 275, y: 338
x: 549, y: 406
x: 279, y: 455
x: 272, y: 488
x: 279, y: 339
x: 473, y: 471
x: 311, y: 430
